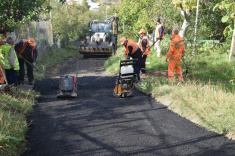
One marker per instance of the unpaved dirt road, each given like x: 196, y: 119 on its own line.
x: 98, y: 124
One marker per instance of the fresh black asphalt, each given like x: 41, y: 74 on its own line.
x: 98, y: 124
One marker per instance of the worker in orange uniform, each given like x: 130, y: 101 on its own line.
x: 144, y: 46
x: 158, y: 35
x: 28, y: 50
x: 133, y: 50
x: 175, y: 53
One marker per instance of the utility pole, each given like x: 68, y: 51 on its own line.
x: 195, y: 33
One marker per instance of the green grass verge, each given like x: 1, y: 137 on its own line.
x: 54, y: 57
x: 13, y: 125
x: 204, y: 104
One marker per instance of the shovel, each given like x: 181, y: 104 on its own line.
x: 21, y: 57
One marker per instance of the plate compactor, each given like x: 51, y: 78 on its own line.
x: 68, y: 85
x: 127, y: 76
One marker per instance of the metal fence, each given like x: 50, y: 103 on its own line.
x: 41, y: 31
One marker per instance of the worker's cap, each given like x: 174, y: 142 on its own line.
x: 122, y: 40
x: 157, y: 19
x: 32, y: 42
x: 142, y: 31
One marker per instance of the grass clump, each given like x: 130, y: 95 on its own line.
x: 13, y: 124
x: 113, y: 63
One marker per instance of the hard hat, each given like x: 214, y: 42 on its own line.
x: 157, y: 19
x: 142, y: 31
x: 122, y: 40
x: 31, y: 42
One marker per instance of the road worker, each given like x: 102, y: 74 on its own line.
x: 144, y: 46
x: 133, y: 50
x: 158, y: 35
x: 9, y: 61
x: 175, y: 53
x: 26, y: 49
x: 3, y: 35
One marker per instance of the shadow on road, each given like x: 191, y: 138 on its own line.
x: 97, y: 123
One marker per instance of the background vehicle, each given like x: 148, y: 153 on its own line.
x: 102, y: 39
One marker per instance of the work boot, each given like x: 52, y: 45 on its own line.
x: 21, y: 82
x: 30, y: 82
x: 14, y: 88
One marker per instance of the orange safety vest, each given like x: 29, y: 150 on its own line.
x: 157, y: 31
x: 133, y: 44
x: 176, y: 48
x: 146, y: 52
x: 22, y: 48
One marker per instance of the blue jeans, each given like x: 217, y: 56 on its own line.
x: 11, y: 76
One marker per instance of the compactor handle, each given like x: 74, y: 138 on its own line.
x: 128, y: 62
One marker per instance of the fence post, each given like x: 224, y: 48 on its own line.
x: 52, y: 39
x: 28, y: 29
x: 46, y: 28
x: 38, y: 27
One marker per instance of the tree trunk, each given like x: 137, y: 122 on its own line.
x: 184, y: 28
x: 186, y: 24
x: 232, y: 50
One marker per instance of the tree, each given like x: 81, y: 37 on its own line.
x: 70, y: 22
x: 207, y: 21
x: 85, y: 5
x: 229, y: 6
x: 13, y: 13
x: 139, y: 14
x: 186, y: 7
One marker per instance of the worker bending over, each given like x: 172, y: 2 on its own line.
x: 144, y: 46
x: 175, y: 53
x: 26, y: 50
x: 133, y: 50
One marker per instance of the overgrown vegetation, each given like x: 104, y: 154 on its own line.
x: 70, y: 21
x: 13, y: 125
